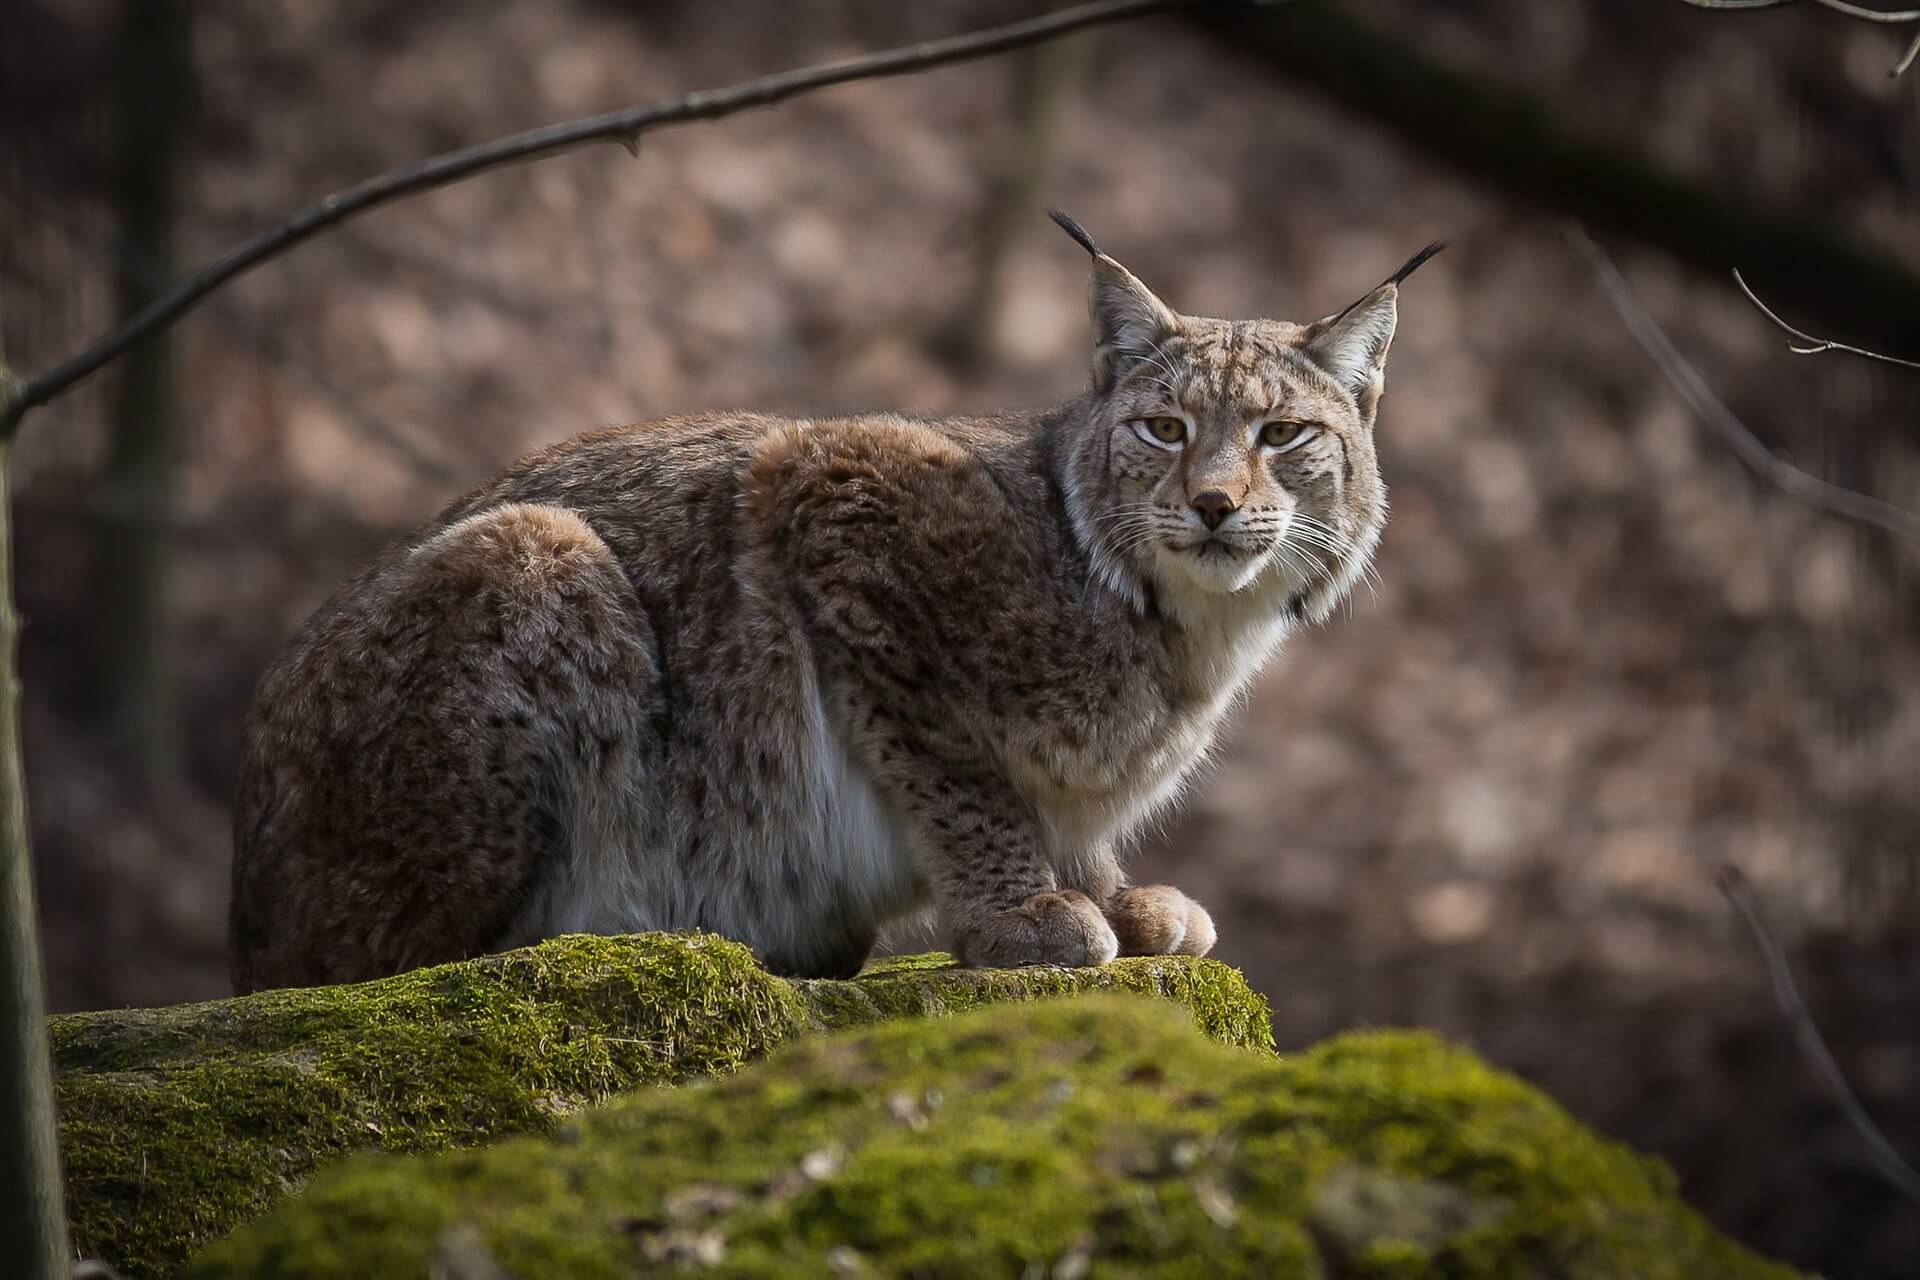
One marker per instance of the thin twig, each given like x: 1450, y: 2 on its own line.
x: 1861, y: 12
x: 1733, y: 883
x: 1822, y: 494
x: 624, y: 126
x: 1858, y: 12
x: 1870, y: 15
x: 1906, y: 59
x: 1812, y: 346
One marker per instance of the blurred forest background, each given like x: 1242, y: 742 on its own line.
x: 1489, y: 798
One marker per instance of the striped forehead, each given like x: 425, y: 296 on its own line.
x: 1254, y: 362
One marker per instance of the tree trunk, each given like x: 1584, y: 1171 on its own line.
x: 153, y: 89
x: 1043, y: 78
x: 33, y: 1221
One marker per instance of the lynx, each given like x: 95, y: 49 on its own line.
x: 787, y: 680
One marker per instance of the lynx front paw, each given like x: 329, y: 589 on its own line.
x: 1159, y: 920
x: 1063, y: 928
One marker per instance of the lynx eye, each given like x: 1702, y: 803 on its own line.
x: 1285, y: 435
x: 1163, y: 431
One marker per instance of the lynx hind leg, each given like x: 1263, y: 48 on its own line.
x: 415, y: 772
x: 1159, y: 920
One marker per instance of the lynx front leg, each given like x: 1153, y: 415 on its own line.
x: 1159, y: 920
x: 1000, y: 902
x: 1063, y: 927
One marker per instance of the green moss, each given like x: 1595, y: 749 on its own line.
x: 1101, y: 1133
x: 1217, y: 997
x: 178, y: 1124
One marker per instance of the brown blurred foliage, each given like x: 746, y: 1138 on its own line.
x: 1489, y: 799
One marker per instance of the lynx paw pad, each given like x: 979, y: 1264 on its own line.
x: 1159, y: 920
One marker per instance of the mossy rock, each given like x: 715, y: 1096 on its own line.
x: 178, y: 1124
x: 1092, y: 1137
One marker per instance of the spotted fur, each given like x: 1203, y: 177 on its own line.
x: 787, y: 680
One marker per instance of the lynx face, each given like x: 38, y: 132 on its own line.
x: 1230, y: 457
x: 1234, y: 457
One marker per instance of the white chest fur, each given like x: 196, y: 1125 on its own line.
x: 1090, y: 799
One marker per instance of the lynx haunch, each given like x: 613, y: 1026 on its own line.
x: 787, y: 680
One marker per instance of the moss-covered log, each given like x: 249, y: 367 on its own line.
x: 178, y: 1124
x: 1086, y: 1137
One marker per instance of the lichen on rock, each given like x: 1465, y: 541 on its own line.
x: 1082, y: 1137
x: 178, y: 1124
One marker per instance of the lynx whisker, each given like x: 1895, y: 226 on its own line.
x: 1157, y: 353
x: 1126, y: 510
x: 1302, y: 570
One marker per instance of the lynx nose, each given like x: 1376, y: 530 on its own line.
x: 1213, y: 506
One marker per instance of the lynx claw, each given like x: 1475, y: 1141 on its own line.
x: 1064, y: 929
x: 1159, y: 920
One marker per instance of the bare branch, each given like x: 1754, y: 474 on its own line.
x: 271, y: 353
x: 624, y: 127
x: 1810, y: 345
x: 1822, y: 494
x: 1733, y: 883
x: 1858, y: 12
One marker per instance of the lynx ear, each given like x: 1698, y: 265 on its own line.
x: 1352, y: 346
x: 1128, y: 320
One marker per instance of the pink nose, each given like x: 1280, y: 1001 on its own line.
x: 1213, y: 506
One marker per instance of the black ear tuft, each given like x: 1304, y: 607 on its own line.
x: 1414, y: 263
x: 1078, y: 232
